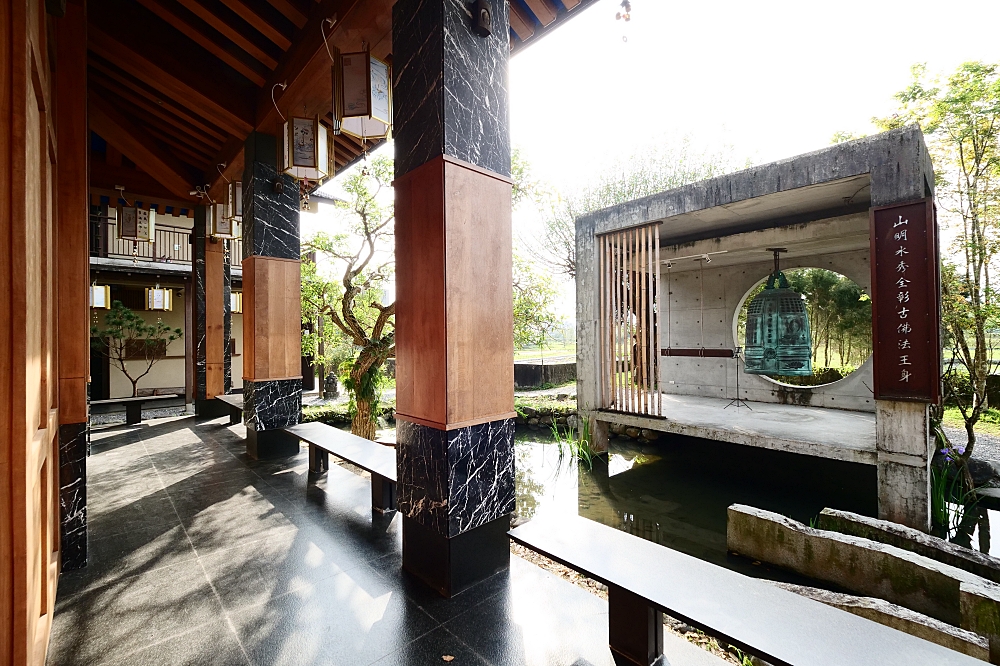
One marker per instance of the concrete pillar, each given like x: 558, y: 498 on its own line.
x: 272, y: 312
x: 454, y: 353
x: 73, y: 278
x: 211, y: 303
x: 905, y: 446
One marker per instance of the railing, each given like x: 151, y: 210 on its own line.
x: 169, y: 244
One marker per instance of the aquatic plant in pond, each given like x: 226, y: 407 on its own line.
x: 577, y: 444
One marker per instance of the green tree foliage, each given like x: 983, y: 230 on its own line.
x: 654, y: 170
x: 534, y: 301
x: 960, y: 115
x: 353, y: 302
x: 127, y: 338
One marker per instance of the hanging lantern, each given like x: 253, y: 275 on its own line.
x: 235, y: 200
x: 306, y: 152
x: 136, y: 223
x: 362, y: 96
x: 159, y: 299
x: 100, y: 297
x: 778, y: 341
x: 236, y: 302
x: 222, y: 224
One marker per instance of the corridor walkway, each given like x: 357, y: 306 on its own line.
x: 199, y: 555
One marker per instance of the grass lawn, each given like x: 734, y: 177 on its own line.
x: 566, y: 349
x: 989, y: 422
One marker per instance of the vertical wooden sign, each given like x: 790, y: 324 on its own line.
x: 906, y: 309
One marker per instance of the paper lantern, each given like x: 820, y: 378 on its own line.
x: 362, y: 96
x: 136, y: 223
x: 305, y: 149
x: 235, y: 200
x: 236, y: 302
x: 159, y: 299
x: 100, y: 297
x: 221, y: 224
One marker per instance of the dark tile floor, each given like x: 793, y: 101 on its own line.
x: 200, y: 555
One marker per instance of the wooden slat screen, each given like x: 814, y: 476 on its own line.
x: 629, y: 265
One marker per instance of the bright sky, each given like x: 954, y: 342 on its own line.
x: 771, y: 78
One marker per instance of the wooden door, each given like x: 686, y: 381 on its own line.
x: 29, y: 420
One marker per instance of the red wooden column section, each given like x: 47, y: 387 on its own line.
x: 454, y: 319
x: 73, y: 267
x: 209, y: 312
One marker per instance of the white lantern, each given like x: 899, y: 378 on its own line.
x: 305, y: 150
x: 222, y: 224
x: 159, y: 299
x: 236, y: 200
x: 136, y: 223
x: 236, y: 302
x: 362, y: 96
x: 100, y: 297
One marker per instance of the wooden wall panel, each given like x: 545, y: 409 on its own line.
x: 479, y: 301
x: 73, y: 211
x: 272, y: 319
x: 421, y: 352
x: 454, y: 315
x: 215, y: 258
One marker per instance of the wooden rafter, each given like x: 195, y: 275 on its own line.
x: 544, y: 10
x: 142, y: 68
x: 259, y: 23
x: 207, y: 42
x: 136, y: 144
x: 230, y: 32
x: 291, y: 11
x: 521, y: 23
x: 124, y: 98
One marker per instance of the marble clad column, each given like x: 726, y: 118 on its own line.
x: 227, y: 318
x: 272, y: 317
x: 210, y: 307
x: 454, y: 371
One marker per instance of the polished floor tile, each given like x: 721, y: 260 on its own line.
x: 201, y: 555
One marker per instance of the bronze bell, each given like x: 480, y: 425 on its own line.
x: 778, y: 341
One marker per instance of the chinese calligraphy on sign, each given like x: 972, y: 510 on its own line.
x: 905, y: 301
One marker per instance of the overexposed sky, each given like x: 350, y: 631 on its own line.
x: 772, y: 78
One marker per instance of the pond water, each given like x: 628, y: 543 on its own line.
x: 675, y: 492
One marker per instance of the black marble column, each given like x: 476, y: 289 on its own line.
x: 456, y: 473
x: 205, y: 404
x: 270, y: 230
x: 227, y: 317
x: 73, y: 448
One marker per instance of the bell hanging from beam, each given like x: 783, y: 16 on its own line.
x: 778, y: 341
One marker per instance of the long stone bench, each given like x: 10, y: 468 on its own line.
x: 375, y: 458
x: 133, y: 405
x: 646, y: 580
x: 235, y: 403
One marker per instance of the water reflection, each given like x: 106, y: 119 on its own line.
x: 970, y: 528
x: 676, y: 492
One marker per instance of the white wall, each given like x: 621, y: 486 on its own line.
x: 167, y: 373
x: 238, y: 351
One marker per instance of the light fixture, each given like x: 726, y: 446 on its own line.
x: 236, y: 200
x: 159, y: 299
x: 134, y: 223
x: 236, y: 302
x: 362, y: 95
x: 305, y: 149
x: 221, y: 223
x: 100, y: 296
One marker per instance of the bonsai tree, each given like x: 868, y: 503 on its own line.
x: 127, y: 337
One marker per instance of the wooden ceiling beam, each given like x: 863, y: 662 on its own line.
x: 122, y: 95
x: 571, y: 4
x: 143, y: 69
x: 132, y: 90
x: 290, y: 11
x: 229, y: 32
x: 259, y: 23
x: 544, y: 10
x: 206, y: 42
x: 119, y: 131
x: 137, y: 184
x: 521, y: 23
x: 190, y: 151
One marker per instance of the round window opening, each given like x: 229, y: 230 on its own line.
x: 813, y: 328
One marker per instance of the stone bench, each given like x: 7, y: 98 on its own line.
x: 646, y: 580
x: 133, y: 405
x: 375, y: 458
x: 235, y: 403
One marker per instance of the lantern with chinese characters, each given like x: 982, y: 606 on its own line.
x: 136, y: 223
x: 305, y: 150
x: 235, y: 200
x: 222, y: 223
x: 159, y: 299
x: 778, y: 340
x: 362, y: 96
